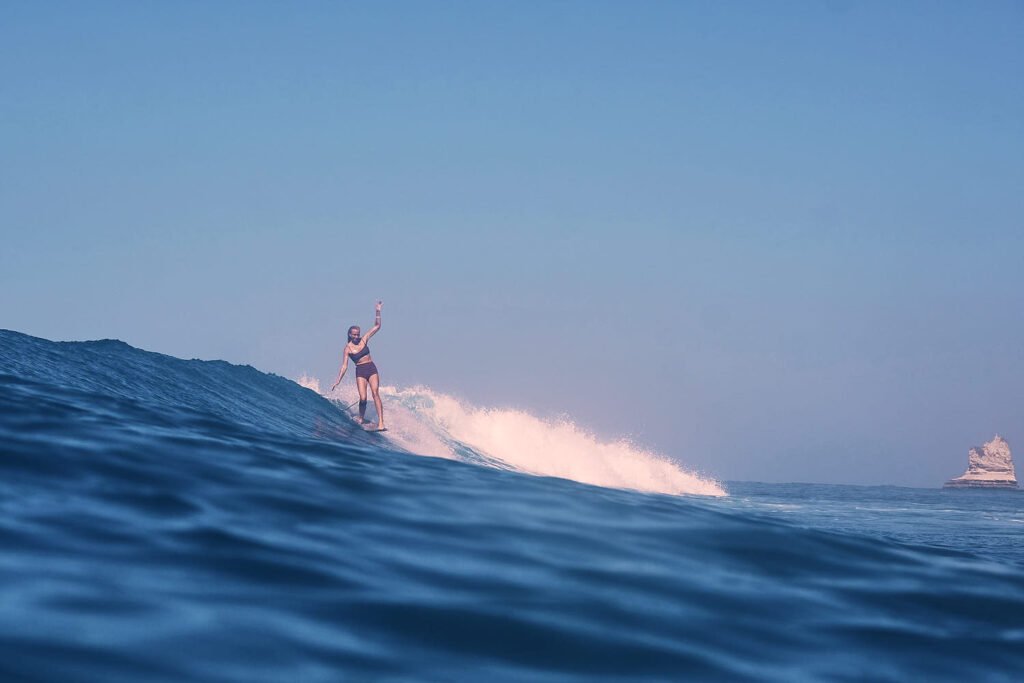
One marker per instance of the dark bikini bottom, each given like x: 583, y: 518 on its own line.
x: 366, y: 370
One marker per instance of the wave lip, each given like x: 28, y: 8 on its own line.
x: 425, y: 421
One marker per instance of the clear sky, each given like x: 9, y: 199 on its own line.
x: 779, y: 241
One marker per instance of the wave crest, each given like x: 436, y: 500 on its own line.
x: 428, y: 422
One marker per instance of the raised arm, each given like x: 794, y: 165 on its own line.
x: 341, y: 373
x: 376, y: 324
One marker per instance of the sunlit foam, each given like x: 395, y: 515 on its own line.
x: 427, y: 422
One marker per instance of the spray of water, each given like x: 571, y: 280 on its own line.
x: 309, y: 382
x: 427, y: 422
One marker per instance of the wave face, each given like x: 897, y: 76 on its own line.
x: 180, y: 391
x: 170, y: 520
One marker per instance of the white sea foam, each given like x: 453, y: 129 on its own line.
x: 427, y: 422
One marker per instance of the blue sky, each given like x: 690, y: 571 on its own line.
x: 778, y: 241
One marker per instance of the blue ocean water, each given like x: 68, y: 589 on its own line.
x: 166, y: 519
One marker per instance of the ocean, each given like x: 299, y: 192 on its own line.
x: 167, y: 519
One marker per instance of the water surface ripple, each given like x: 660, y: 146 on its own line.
x: 166, y: 520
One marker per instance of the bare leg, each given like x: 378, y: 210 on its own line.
x: 375, y: 388
x: 361, y: 386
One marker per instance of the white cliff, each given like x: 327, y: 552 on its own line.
x: 988, y: 466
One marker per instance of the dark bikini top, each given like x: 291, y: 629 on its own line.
x: 357, y: 356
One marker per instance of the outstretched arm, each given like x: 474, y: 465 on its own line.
x: 341, y: 373
x: 376, y: 324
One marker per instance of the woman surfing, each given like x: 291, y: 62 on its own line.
x: 366, y: 370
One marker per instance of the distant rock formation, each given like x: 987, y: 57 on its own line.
x: 988, y: 467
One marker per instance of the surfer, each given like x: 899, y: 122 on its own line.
x: 366, y: 370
